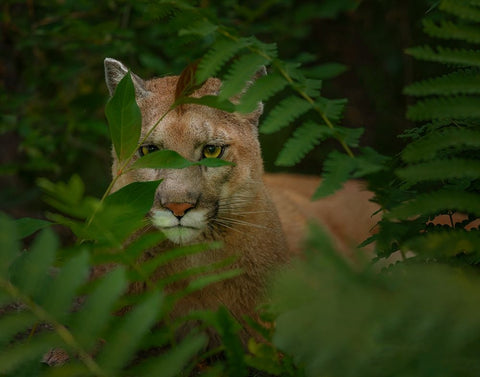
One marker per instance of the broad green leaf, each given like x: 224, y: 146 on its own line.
x: 138, y: 195
x: 167, y: 159
x: 124, y: 118
x: 121, y: 214
x: 27, y: 226
x: 9, y: 245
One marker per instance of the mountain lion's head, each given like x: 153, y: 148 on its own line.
x: 197, y: 202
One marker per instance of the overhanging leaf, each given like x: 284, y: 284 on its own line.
x: 124, y: 118
x: 167, y: 159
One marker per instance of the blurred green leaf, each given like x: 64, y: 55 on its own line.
x: 27, y: 226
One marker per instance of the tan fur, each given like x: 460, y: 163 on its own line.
x: 242, y: 204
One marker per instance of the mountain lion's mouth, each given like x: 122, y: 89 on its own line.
x: 185, y: 230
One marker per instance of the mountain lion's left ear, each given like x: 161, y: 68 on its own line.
x: 114, y: 72
x: 254, y: 116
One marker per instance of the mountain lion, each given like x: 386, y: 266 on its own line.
x: 260, y: 219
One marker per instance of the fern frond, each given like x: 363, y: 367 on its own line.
x: 284, y: 113
x: 99, y: 306
x: 428, y: 146
x: 65, y: 285
x: 221, y: 51
x: 125, y: 337
x: 337, y: 169
x: 432, y: 203
x: 446, y: 243
x: 461, y: 9
x: 445, y: 55
x: 173, y: 362
x: 36, y: 264
x: 303, y: 140
x: 331, y: 108
x: 202, y: 28
x: 241, y: 71
x: 261, y: 90
x: 460, y: 107
x: 9, y: 244
x: 440, y: 170
x: 460, y: 82
x: 450, y: 30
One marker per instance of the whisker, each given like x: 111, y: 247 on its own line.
x: 224, y: 224
x: 241, y: 222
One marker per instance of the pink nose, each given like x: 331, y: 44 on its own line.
x: 178, y: 209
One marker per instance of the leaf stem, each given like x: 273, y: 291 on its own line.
x: 289, y: 79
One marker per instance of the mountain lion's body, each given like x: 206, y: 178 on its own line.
x: 259, y: 219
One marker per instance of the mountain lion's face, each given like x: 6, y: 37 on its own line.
x: 197, y: 202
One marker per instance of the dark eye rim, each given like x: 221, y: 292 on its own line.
x: 222, y: 150
x: 151, y: 148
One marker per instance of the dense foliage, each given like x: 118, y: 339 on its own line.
x: 417, y: 317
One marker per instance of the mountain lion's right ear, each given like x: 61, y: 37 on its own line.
x: 114, y: 72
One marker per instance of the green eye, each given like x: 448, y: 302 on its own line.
x: 212, y: 151
x: 146, y: 149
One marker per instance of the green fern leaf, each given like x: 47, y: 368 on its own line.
x: 261, y: 90
x: 27, y: 226
x: 351, y: 136
x: 450, y: 30
x: 284, y: 113
x: 432, y: 203
x: 460, y: 107
x: 173, y: 362
x: 446, y: 55
x: 440, y: 170
x: 332, y: 109
x: 446, y: 243
x: 13, y: 323
x: 9, y: 244
x: 337, y: 169
x: 460, y: 9
x: 65, y: 285
x: 202, y: 28
x: 303, y: 140
x: 452, y: 137
x: 95, y: 314
x: 31, y: 270
x: 241, y: 71
x: 219, y: 54
x: 460, y: 82
x: 21, y: 353
x: 126, y: 336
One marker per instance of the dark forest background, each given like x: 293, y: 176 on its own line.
x: 52, y: 91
